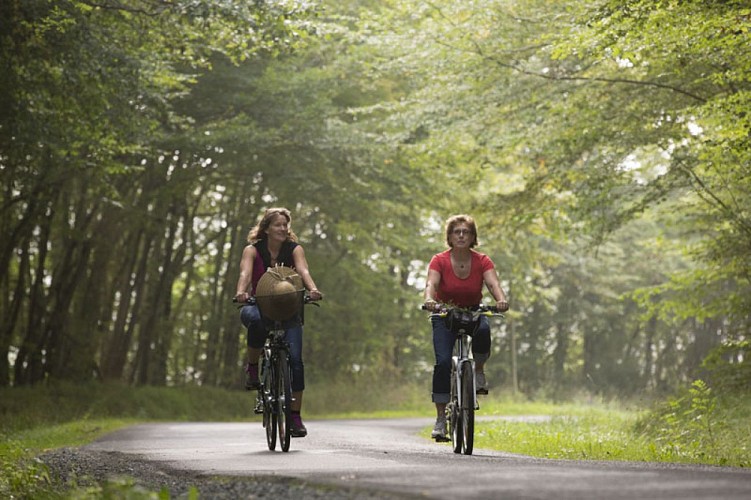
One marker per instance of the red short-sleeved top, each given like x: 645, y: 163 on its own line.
x: 465, y: 292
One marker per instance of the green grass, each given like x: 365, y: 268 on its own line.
x: 694, y: 428
x: 593, y: 434
x: 33, y: 420
x: 25, y: 477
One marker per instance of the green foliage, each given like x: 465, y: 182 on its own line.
x: 692, y: 109
x: 595, y: 435
x: 691, y: 429
x: 367, y: 394
x: 22, y: 476
x: 698, y: 425
x: 125, y: 489
x: 689, y: 421
x: 40, y: 418
x: 601, y: 146
x: 29, y: 407
x: 25, y: 476
x: 727, y: 368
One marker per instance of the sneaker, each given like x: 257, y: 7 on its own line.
x: 439, y: 431
x: 482, y: 384
x: 251, y: 377
x: 298, y: 429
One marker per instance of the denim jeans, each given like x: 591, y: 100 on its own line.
x: 443, y: 345
x: 257, y: 333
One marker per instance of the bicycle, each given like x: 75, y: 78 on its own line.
x: 460, y: 410
x: 274, y: 397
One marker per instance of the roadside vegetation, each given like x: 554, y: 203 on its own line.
x: 704, y: 423
x: 695, y: 427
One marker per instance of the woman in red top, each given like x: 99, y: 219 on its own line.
x: 456, y: 277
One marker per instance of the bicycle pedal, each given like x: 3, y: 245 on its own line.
x: 442, y: 439
x: 483, y: 392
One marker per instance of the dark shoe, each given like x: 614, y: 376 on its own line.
x: 482, y: 384
x: 251, y: 377
x: 298, y: 429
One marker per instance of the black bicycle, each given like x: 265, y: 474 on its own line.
x: 274, y: 397
x: 275, y: 392
x: 460, y: 410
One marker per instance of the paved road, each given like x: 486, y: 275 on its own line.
x: 389, y: 456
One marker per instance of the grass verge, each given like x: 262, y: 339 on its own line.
x: 693, y: 428
x: 23, y: 476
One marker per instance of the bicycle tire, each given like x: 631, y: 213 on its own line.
x: 269, y: 413
x: 468, y: 409
x: 455, y: 414
x: 284, y: 401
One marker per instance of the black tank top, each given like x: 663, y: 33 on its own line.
x: 285, y: 253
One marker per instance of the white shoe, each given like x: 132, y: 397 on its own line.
x: 439, y: 430
x: 482, y: 384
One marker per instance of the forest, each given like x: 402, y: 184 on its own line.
x: 604, y: 148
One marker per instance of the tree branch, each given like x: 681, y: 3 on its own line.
x: 710, y: 197
x: 479, y: 51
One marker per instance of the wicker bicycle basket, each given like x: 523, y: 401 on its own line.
x: 279, y: 293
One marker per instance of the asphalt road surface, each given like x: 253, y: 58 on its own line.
x: 389, y: 456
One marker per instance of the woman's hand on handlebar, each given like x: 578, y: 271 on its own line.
x: 241, y: 297
x: 315, y: 294
x: 501, y: 306
x: 431, y: 305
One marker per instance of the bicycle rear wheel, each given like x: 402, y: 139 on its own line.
x: 284, y: 401
x: 468, y: 409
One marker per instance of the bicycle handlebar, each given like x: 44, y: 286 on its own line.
x: 252, y: 300
x: 442, y: 310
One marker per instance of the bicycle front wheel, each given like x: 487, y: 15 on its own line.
x: 468, y: 409
x: 269, y: 413
x: 284, y: 401
x: 454, y: 416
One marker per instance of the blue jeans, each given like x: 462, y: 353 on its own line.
x: 257, y: 333
x: 443, y: 345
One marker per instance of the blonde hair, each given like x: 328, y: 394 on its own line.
x: 258, y: 232
x: 455, y: 220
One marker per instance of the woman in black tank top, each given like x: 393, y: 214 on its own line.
x: 272, y: 243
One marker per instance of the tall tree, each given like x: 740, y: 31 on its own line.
x: 87, y: 93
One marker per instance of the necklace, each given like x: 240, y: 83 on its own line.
x: 461, y: 264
